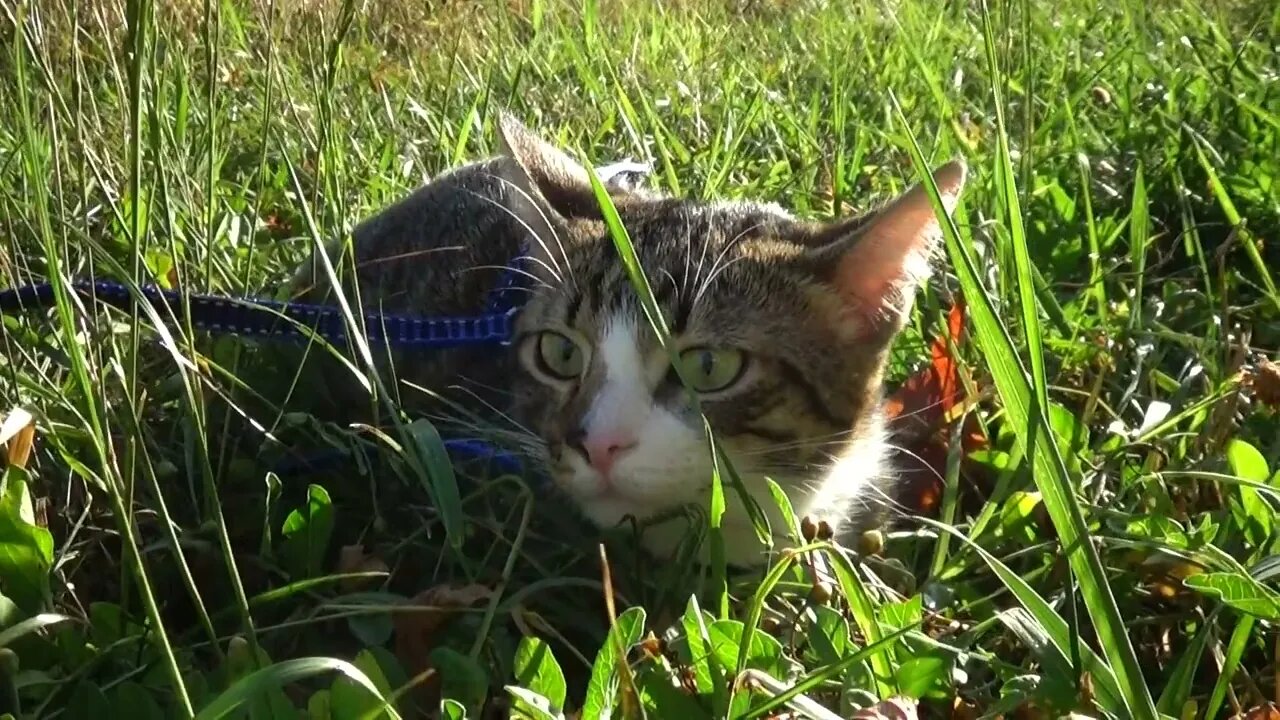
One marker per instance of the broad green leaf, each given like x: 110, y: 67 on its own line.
x: 904, y: 613
x: 307, y: 531
x: 1254, y: 515
x: 663, y: 699
x: 1246, y: 461
x: 138, y: 701
x: 373, y: 629
x: 451, y: 709
x: 10, y: 666
x: 26, y: 550
x: 829, y: 636
x: 88, y: 701
x: 529, y: 705
x: 108, y: 624
x: 708, y: 674
x: 1071, y: 433
x: 348, y: 699
x: 602, y: 691
x: 31, y: 624
x: 537, y: 670
x: 462, y: 679
x: 923, y: 676
x: 1238, y: 591
x: 319, y: 706
x: 763, y: 653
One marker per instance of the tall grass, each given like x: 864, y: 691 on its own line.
x: 1108, y: 548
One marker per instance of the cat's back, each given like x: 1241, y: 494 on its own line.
x: 436, y: 251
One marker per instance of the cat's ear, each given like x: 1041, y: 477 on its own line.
x: 877, y: 263
x: 557, y: 180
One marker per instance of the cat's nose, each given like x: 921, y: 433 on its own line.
x: 603, y: 449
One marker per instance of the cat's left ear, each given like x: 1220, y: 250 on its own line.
x: 560, y: 182
x: 876, y: 264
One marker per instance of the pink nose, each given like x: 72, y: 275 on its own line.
x: 604, y: 449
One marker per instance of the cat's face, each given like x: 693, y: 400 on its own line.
x: 779, y: 327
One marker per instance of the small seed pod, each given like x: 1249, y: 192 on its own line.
x: 871, y: 543
x: 824, y: 531
x: 808, y: 529
x: 822, y: 592
x: 239, y: 655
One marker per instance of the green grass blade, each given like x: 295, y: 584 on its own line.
x: 1237, y: 224
x: 1027, y: 418
x: 278, y: 675
x: 1236, y: 646
x: 1053, y: 624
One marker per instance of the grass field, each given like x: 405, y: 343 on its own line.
x: 1106, y: 544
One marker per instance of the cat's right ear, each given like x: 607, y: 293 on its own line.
x: 877, y: 263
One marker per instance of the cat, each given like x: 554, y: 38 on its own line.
x: 781, y: 326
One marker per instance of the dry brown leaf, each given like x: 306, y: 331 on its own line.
x: 962, y: 709
x: 1265, y: 382
x: 1268, y: 711
x: 891, y: 709
x: 353, y: 559
x: 417, y: 623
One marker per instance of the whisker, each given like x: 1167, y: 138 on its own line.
x: 555, y: 236
x: 717, y: 267
x: 556, y: 272
x: 519, y: 271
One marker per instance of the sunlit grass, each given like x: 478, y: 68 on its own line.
x: 1113, y: 246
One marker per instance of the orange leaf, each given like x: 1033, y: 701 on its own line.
x: 945, y: 369
x: 925, y: 397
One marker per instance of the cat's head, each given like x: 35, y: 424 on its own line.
x: 782, y: 328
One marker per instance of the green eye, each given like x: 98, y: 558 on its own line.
x: 708, y: 370
x: 559, y: 356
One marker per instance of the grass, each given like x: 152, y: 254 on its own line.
x: 1107, y: 545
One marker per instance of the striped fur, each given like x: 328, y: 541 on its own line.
x: 813, y: 307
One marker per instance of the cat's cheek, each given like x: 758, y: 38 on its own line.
x: 671, y: 465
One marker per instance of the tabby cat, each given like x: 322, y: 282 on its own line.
x: 781, y: 328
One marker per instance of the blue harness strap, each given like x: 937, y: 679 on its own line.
x: 260, y: 317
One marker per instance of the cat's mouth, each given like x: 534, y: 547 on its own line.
x: 594, y: 486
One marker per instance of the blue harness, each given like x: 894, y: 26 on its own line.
x: 260, y: 317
